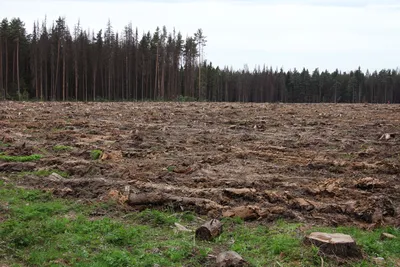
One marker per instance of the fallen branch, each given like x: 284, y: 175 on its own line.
x: 162, y: 198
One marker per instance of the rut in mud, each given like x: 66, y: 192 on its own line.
x: 317, y: 163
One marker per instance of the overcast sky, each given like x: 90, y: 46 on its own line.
x: 324, y: 34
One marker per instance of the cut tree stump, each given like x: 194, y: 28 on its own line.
x: 209, y: 230
x: 230, y: 259
x: 339, y: 245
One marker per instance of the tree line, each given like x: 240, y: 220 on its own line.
x: 55, y: 63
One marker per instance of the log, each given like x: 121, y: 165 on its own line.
x: 302, y: 204
x: 230, y: 259
x: 339, y: 245
x: 244, y: 212
x: 209, y: 230
x: 162, y: 198
x: 17, y: 166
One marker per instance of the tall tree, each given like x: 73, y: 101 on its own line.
x: 201, y: 42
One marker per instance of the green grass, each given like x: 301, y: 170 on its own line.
x: 20, y: 158
x: 40, y: 230
x: 2, y: 144
x: 45, y: 173
x: 95, y: 154
x: 171, y: 168
x: 62, y: 148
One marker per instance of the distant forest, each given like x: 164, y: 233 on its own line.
x: 58, y: 63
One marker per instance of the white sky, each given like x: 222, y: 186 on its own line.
x: 327, y: 34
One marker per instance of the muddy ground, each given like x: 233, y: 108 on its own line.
x: 327, y: 164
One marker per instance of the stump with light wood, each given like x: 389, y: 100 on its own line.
x: 230, y: 259
x: 209, y: 230
x: 339, y: 245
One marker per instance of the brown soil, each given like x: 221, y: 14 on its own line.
x: 320, y: 163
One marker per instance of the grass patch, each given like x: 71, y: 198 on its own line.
x: 2, y: 144
x: 20, y: 158
x: 62, y: 148
x: 40, y: 230
x: 95, y: 154
x: 171, y: 168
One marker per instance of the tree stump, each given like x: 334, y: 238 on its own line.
x: 230, y: 259
x: 340, y: 245
x: 209, y: 230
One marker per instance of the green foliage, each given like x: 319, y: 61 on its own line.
x: 24, y: 96
x: 2, y: 144
x: 155, y: 217
x: 95, y: 154
x: 182, y: 98
x: 61, y: 148
x: 20, y: 158
x: 171, y: 168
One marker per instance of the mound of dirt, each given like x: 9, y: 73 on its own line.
x: 256, y: 161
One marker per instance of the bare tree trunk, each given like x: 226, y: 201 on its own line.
x: 136, y: 74
x: 36, y: 75
x: 76, y: 77
x: 66, y: 86
x: 6, y: 78
x: 155, y: 80
x: 109, y: 81
x: 41, y: 80
x: 199, y: 71
x: 18, y: 85
x: 163, y: 80
x: 57, y: 67
x: 94, y: 83
x: 142, y: 77
x: 86, y: 83
x: 63, y: 82
x: 1, y: 68
x: 13, y: 68
x: 46, y: 81
x: 127, y: 77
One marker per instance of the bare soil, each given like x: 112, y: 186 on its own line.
x: 328, y: 164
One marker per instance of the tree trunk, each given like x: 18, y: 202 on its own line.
x: 63, y: 82
x: 41, y: 79
x: 46, y: 81
x: 76, y: 76
x: 199, y: 71
x: 57, y: 67
x: 13, y: 65
x: 6, y: 77
x: 155, y: 79
x: 94, y: 82
x: 1, y: 69
x: 36, y: 74
x: 127, y: 77
x: 18, y: 85
x: 162, y: 80
x: 136, y: 74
